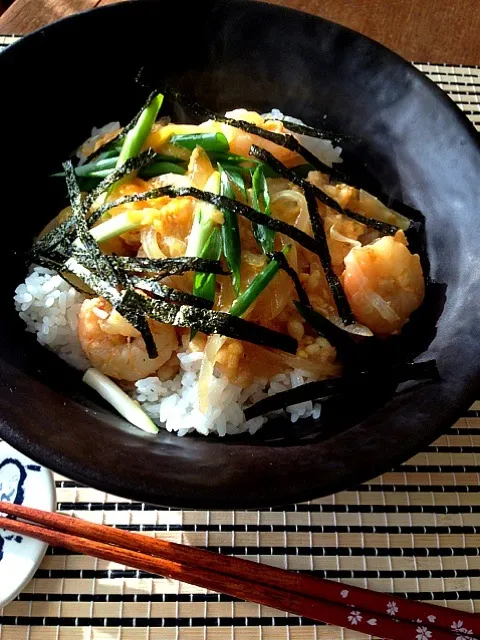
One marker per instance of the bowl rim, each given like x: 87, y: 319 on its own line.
x: 92, y: 476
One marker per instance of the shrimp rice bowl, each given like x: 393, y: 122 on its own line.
x: 204, y: 277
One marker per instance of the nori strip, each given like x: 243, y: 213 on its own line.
x: 325, y: 388
x: 58, y: 267
x: 169, y: 266
x: 290, y: 271
x: 63, y: 231
x: 211, y: 322
x: 342, y: 340
x: 282, y: 139
x: 132, y: 164
x: 289, y: 174
x: 312, y: 132
x: 95, y: 282
x: 152, y: 285
x: 137, y: 318
x: 79, y: 222
x: 323, y: 251
x: 383, y: 227
x: 308, y: 391
x: 220, y: 202
x: 290, y: 142
x: 53, y: 238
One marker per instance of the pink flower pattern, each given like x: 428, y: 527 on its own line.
x: 355, y: 617
x: 392, y: 608
x: 423, y: 633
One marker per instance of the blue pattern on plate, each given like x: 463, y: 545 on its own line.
x: 12, y: 489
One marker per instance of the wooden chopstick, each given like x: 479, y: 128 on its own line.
x: 314, y: 598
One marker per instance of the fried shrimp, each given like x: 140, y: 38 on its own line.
x: 115, y: 347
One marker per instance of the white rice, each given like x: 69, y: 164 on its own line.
x: 49, y: 306
x: 323, y: 149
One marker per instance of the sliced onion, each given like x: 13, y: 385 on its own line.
x: 302, y: 220
x: 376, y: 209
x: 213, y: 346
x: 355, y: 328
x: 149, y: 241
x: 382, y: 306
x: 336, y: 235
x: 170, y: 180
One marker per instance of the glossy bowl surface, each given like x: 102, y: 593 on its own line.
x: 79, y: 72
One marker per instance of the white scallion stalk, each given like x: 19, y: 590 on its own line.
x: 115, y: 226
x: 125, y: 406
x: 203, y: 225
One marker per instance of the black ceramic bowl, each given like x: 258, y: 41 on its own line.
x: 81, y: 71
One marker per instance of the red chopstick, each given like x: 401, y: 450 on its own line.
x: 324, y: 600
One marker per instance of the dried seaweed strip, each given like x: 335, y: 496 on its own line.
x: 281, y: 169
x: 343, y: 341
x: 290, y: 271
x: 72, y: 187
x: 222, y: 202
x: 378, y: 225
x: 47, y: 262
x: 312, y: 132
x: 333, y: 281
x: 323, y: 389
x: 59, y: 267
x: 132, y: 164
x: 88, y: 242
x: 95, y: 282
x: 214, y: 322
x: 292, y: 143
x: 285, y: 140
x: 138, y: 319
x: 318, y: 390
x: 53, y: 238
x: 316, y: 221
x: 172, y: 295
x: 169, y: 266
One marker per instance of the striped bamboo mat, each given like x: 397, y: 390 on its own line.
x: 414, y: 532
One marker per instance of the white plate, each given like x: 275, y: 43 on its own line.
x: 22, y: 482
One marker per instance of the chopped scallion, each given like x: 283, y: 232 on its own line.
x: 115, y: 396
x: 258, y: 284
x: 208, y: 141
x: 230, y: 231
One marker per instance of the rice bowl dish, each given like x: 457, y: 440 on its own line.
x: 207, y: 276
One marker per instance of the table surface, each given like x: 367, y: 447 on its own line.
x: 412, y: 532
x: 419, y: 30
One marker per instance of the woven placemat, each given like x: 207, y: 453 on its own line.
x: 414, y: 531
